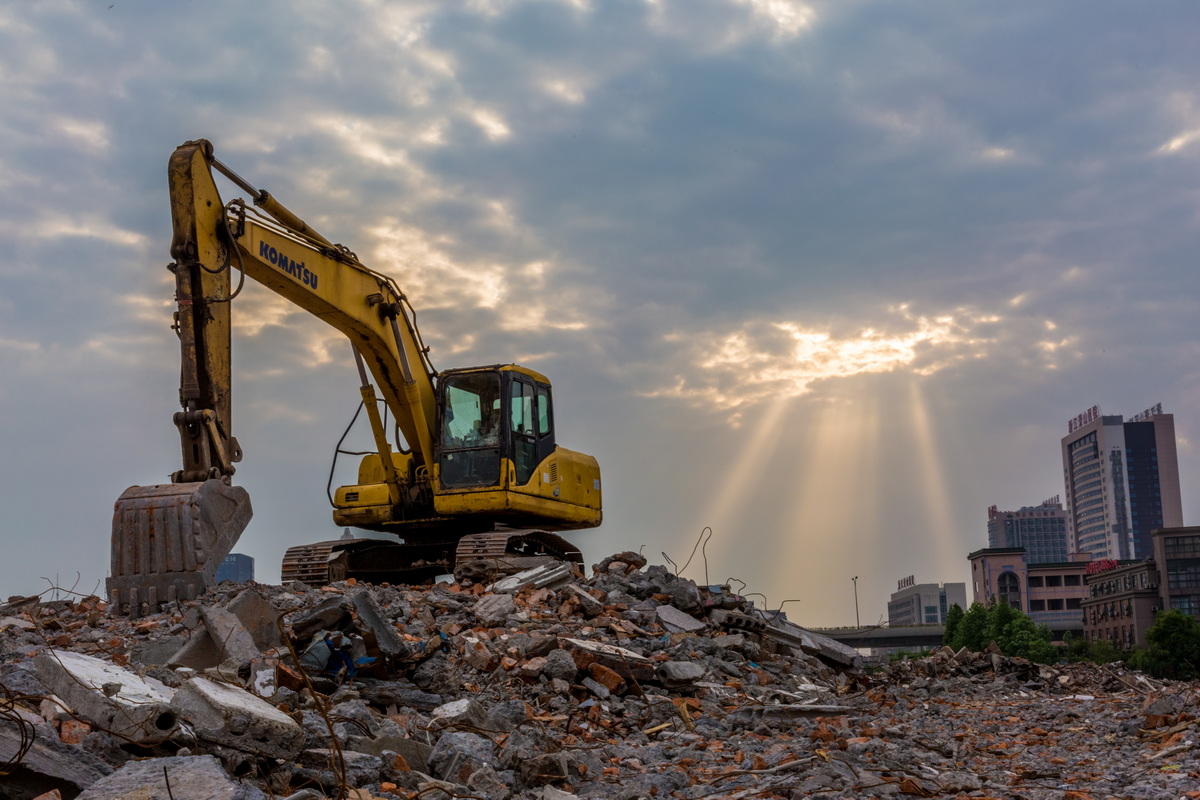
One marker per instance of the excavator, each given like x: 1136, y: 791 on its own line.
x: 463, y: 465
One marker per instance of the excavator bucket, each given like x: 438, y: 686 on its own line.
x: 169, y: 539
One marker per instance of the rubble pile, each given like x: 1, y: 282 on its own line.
x: 632, y: 683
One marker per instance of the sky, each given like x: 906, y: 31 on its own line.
x: 825, y: 279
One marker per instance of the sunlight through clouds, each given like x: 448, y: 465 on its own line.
x: 773, y: 359
x: 788, y: 17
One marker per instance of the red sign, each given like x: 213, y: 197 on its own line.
x: 1089, y: 416
x: 1102, y: 565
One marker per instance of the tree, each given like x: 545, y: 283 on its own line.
x: 1173, y: 647
x: 1012, y: 631
x: 971, y: 631
x: 999, y: 616
x: 953, y: 617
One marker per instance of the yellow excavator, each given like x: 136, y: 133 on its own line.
x: 464, y: 462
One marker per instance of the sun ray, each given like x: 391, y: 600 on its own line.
x: 935, y: 484
x: 734, y: 484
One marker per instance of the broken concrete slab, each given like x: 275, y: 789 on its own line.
x: 177, y: 777
x: 232, y: 716
x: 329, y: 615
x: 258, y: 617
x: 546, y: 576
x: 459, y: 712
x: 232, y: 638
x: 813, y: 643
x: 492, y: 610
x: 111, y: 697
x: 199, y: 652
x: 626, y: 663
x: 153, y: 652
x: 677, y: 674
x: 371, y: 616
x: 676, y: 621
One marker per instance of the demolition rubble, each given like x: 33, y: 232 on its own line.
x: 632, y: 683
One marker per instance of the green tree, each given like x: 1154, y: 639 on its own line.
x: 1022, y: 639
x: 999, y: 616
x: 1012, y: 631
x: 971, y: 632
x: 953, y: 617
x: 1173, y: 647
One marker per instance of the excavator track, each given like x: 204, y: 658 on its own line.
x: 382, y: 561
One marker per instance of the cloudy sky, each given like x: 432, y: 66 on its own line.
x: 828, y: 278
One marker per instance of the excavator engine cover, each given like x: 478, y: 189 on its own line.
x: 169, y: 539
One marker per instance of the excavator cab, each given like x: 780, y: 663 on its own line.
x: 489, y: 416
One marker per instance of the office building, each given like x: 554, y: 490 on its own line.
x: 924, y: 603
x: 1041, y: 530
x: 1122, y: 482
x: 1052, y: 594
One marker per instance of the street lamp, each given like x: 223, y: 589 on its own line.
x: 857, y: 624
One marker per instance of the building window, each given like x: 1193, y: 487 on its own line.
x: 1054, y: 580
x: 1009, y: 589
x: 1037, y: 605
x: 1071, y: 580
x: 1073, y: 602
x: 1035, y: 581
x: 1055, y: 604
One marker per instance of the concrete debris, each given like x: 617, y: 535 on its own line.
x: 371, y: 618
x: 546, y: 576
x: 676, y: 621
x: 42, y: 761
x: 231, y: 716
x: 493, y: 610
x: 108, y: 696
x: 230, y: 635
x: 178, y: 778
x: 633, y: 683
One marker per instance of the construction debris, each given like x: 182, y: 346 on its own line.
x: 633, y: 683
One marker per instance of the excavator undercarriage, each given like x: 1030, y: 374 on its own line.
x: 479, y: 556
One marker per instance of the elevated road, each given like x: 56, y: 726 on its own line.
x: 917, y: 636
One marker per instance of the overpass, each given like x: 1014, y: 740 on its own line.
x: 925, y: 637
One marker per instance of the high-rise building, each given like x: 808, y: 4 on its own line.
x: 1041, y: 530
x: 1122, y: 482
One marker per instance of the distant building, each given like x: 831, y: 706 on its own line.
x: 1177, y: 552
x: 1122, y: 482
x: 1052, y: 593
x: 236, y: 567
x: 1122, y: 602
x: 924, y: 603
x: 1041, y: 530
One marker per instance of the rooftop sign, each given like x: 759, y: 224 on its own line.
x: 1101, y: 565
x: 1145, y: 416
x: 1079, y: 420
